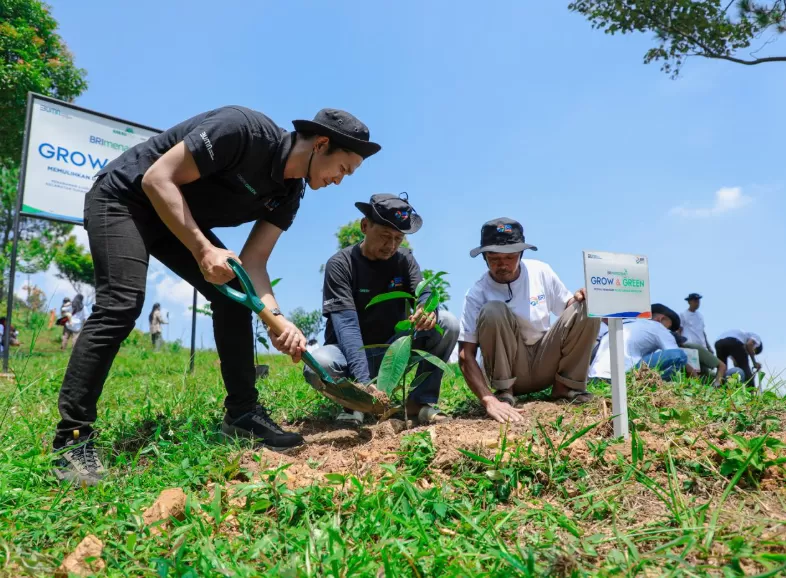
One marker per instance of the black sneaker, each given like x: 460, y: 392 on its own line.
x: 79, y: 462
x: 258, y: 426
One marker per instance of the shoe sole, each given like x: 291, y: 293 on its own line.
x: 76, y: 478
x: 232, y: 433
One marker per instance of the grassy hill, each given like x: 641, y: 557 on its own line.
x: 698, y: 490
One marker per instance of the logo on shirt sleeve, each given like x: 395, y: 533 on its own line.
x: 535, y: 300
x: 272, y: 204
x: 396, y: 283
x: 208, y: 145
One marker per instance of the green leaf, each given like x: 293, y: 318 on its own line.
x: 404, y: 325
x: 419, y: 379
x: 432, y: 303
x: 274, y: 282
x: 477, y: 458
x: 439, y: 329
x: 578, y: 434
x: 432, y: 359
x: 394, y: 364
x: 336, y: 478
x: 426, y: 282
x: 389, y: 296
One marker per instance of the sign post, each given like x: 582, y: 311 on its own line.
x: 617, y: 288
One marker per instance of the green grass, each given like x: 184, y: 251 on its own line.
x: 698, y: 490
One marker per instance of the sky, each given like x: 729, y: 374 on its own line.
x: 483, y: 110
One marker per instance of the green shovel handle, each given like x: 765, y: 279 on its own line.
x: 251, y: 300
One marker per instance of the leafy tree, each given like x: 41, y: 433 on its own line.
x: 717, y: 29
x: 75, y: 264
x: 33, y: 57
x: 38, y: 239
x: 310, y: 323
x: 438, y: 284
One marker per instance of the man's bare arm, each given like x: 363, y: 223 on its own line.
x: 161, y: 183
x: 496, y: 409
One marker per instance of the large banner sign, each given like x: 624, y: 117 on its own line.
x: 65, y: 147
x: 618, y: 285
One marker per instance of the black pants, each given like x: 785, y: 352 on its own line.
x: 734, y: 348
x: 122, y: 237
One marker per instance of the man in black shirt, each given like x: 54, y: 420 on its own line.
x: 162, y: 197
x: 357, y: 274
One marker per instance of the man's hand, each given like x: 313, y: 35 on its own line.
x: 578, y: 297
x: 423, y: 321
x: 213, y: 264
x: 501, y: 411
x: 291, y: 341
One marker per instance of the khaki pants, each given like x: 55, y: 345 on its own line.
x: 518, y: 357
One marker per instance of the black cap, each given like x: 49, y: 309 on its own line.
x: 343, y: 129
x: 392, y: 211
x: 501, y: 235
x: 670, y: 313
x: 693, y: 296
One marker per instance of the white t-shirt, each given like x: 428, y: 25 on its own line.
x: 640, y: 337
x: 741, y: 335
x: 536, y: 293
x: 692, y: 323
x: 76, y: 321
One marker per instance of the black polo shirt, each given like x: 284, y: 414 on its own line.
x: 352, y: 280
x: 240, y: 154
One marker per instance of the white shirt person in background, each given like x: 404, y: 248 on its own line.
x: 646, y: 342
x: 693, y: 322
x: 76, y: 319
x: 507, y: 316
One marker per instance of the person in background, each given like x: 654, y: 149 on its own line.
x: 357, y: 274
x: 646, y: 342
x: 506, y: 316
x: 693, y: 323
x: 740, y: 345
x: 156, y: 321
x: 74, y: 322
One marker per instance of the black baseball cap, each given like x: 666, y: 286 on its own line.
x: 693, y: 296
x: 670, y: 313
x: 343, y: 129
x: 392, y: 211
x: 501, y: 235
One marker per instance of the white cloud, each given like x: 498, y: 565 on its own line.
x: 81, y: 236
x: 726, y: 199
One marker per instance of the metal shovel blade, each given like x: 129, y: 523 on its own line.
x: 351, y: 395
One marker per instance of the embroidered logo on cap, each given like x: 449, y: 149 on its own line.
x: 504, y: 228
x: 402, y: 215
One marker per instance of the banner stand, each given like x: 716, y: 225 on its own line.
x: 193, y: 333
x: 14, y: 246
x: 619, y: 390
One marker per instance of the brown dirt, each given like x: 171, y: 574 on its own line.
x: 77, y: 562
x: 171, y: 503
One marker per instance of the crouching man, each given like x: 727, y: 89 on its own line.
x: 646, y: 342
x: 507, y: 315
x: 357, y: 274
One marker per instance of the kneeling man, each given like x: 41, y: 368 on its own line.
x: 507, y: 315
x: 357, y: 274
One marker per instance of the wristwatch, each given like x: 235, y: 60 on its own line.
x: 276, y: 311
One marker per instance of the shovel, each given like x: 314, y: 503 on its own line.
x: 343, y: 391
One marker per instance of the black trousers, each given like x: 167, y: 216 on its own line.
x: 734, y: 348
x: 122, y: 237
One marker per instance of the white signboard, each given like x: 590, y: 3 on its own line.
x: 65, y: 147
x: 618, y: 285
